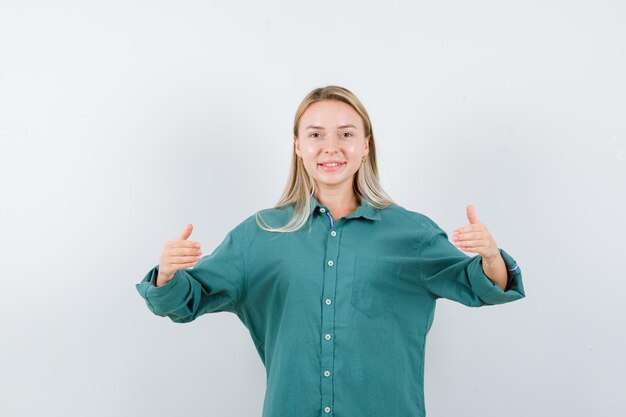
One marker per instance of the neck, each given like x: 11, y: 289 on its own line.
x: 339, y: 203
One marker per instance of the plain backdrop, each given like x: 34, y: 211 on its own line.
x: 123, y: 121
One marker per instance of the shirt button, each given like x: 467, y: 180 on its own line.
x: 326, y: 373
x: 331, y: 263
x: 333, y: 233
x: 327, y: 336
x: 322, y: 210
x: 327, y: 410
x: 328, y: 301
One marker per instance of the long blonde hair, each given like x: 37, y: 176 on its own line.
x: 301, y: 186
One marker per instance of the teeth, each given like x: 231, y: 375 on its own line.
x: 334, y: 164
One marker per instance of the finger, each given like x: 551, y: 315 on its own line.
x: 186, y: 233
x: 470, y: 244
x: 176, y: 244
x: 471, y: 215
x: 177, y: 260
x: 469, y: 236
x: 185, y: 251
x: 469, y: 228
x: 184, y: 266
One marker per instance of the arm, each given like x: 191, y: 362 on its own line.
x: 495, y: 269
x: 215, y: 284
x: 449, y: 273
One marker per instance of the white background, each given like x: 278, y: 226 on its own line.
x: 123, y: 121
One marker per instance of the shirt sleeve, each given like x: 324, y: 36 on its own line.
x: 449, y: 273
x: 214, y: 284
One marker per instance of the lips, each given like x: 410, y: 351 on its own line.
x: 331, y: 163
x: 331, y: 166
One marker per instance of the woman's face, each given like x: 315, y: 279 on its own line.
x: 331, y: 132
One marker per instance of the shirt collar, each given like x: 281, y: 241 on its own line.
x: 365, y: 210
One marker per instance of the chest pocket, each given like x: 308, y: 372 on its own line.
x: 375, y: 285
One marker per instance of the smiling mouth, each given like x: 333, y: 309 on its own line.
x: 332, y: 164
x: 331, y: 167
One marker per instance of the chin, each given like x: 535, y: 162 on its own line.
x: 332, y: 182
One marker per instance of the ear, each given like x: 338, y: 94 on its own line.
x: 296, y: 144
x: 367, y: 146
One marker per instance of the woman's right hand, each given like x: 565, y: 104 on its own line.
x: 179, y: 253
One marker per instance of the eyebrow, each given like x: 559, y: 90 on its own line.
x: 321, y: 128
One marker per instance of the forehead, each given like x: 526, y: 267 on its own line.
x: 330, y: 113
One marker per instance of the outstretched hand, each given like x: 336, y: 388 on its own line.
x: 475, y: 237
x: 179, y: 253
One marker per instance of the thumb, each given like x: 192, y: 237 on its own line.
x: 471, y: 215
x: 186, y: 233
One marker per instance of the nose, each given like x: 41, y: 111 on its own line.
x: 331, y: 145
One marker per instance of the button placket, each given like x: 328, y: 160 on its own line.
x: 328, y: 310
x: 331, y: 221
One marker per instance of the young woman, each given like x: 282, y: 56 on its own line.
x: 336, y: 284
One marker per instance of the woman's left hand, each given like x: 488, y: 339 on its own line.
x: 475, y: 237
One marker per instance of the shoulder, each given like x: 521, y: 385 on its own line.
x: 272, y: 216
x: 396, y: 213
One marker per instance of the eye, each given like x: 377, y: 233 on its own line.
x: 313, y: 135
x: 347, y: 133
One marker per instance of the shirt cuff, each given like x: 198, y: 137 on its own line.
x: 167, y: 298
x: 491, y: 293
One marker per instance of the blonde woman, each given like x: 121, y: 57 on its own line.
x: 336, y: 284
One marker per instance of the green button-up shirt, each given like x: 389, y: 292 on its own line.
x: 339, y: 310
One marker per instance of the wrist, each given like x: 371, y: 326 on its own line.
x: 163, y: 279
x: 490, y: 260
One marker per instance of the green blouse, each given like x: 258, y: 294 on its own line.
x: 339, y: 310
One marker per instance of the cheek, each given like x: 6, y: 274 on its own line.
x: 351, y: 150
x: 309, y: 151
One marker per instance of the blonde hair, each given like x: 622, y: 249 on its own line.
x: 301, y: 186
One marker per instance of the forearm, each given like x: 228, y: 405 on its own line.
x: 495, y: 269
x: 163, y: 279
